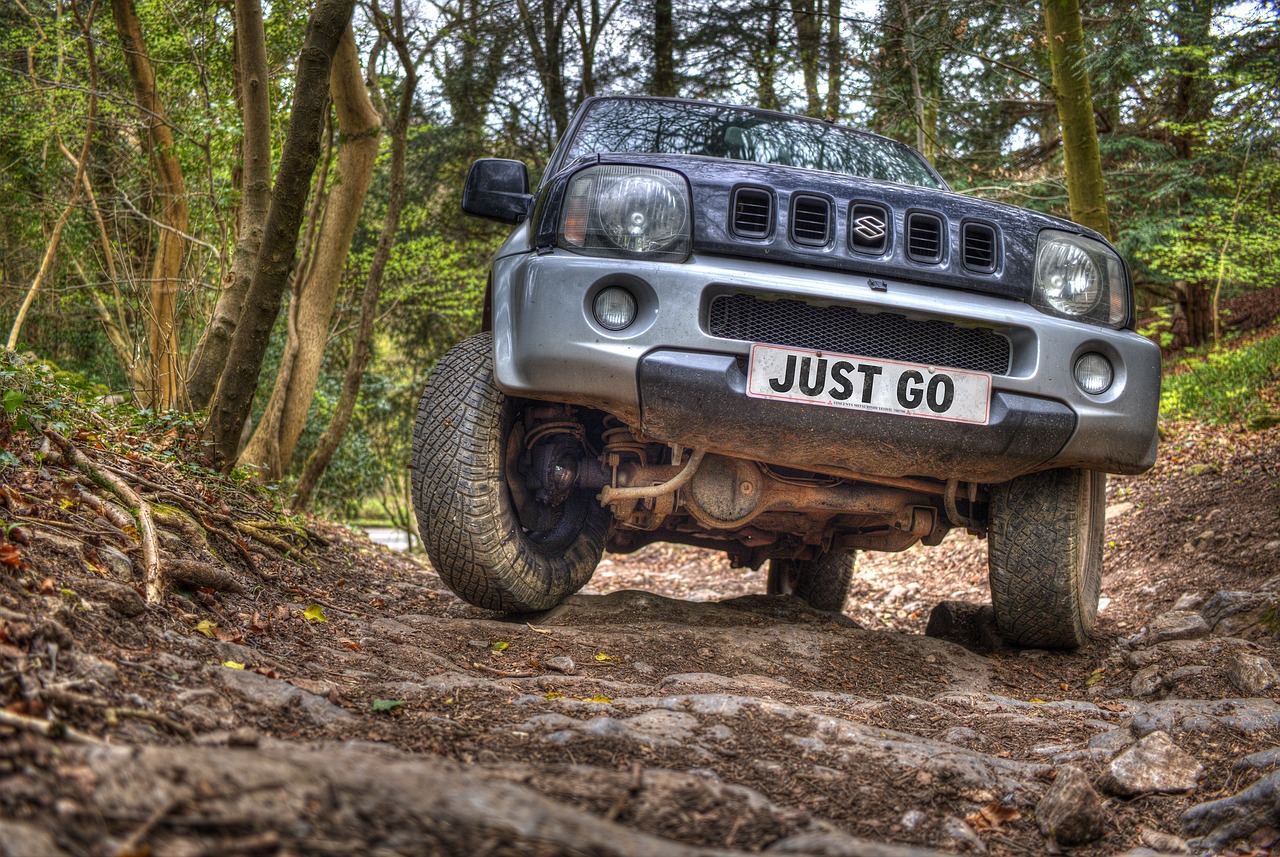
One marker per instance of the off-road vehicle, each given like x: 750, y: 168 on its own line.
x: 786, y: 340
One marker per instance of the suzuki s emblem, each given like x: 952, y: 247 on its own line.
x: 869, y: 227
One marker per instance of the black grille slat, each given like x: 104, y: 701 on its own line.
x: 926, y: 241
x: 752, y: 213
x: 811, y: 221
x: 847, y: 330
x: 979, y: 247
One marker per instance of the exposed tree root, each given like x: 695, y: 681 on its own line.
x: 53, y: 730
x: 152, y: 573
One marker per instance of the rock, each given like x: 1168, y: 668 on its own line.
x: 1070, y: 813
x: 19, y: 839
x: 120, y: 565
x: 1176, y: 625
x: 280, y: 695
x: 116, y: 597
x: 1189, y: 601
x: 1251, y: 674
x: 970, y: 625
x: 1146, y: 681
x: 1234, y: 613
x: 562, y: 664
x: 1164, y: 843
x: 1249, y: 716
x: 1220, y: 823
x: 961, y: 835
x: 1153, y: 765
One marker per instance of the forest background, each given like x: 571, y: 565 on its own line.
x: 227, y: 210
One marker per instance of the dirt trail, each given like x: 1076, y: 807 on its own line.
x: 343, y: 702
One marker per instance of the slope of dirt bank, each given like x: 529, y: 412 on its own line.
x: 315, y: 694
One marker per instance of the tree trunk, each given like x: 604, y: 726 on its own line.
x: 544, y: 38
x: 1082, y: 162
x: 320, y: 457
x: 835, y: 61
x: 251, y: 58
x: 765, y: 63
x: 164, y: 384
x: 807, y: 16
x: 664, y: 52
x: 239, y: 379
x: 276, y: 437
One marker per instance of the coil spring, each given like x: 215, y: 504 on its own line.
x: 620, y: 440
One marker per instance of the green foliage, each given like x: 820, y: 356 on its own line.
x: 1226, y: 385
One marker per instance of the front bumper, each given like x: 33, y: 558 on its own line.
x: 668, y: 375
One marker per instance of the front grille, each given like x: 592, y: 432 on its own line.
x: 979, y: 247
x: 752, y: 212
x: 925, y: 238
x: 811, y: 221
x: 846, y: 330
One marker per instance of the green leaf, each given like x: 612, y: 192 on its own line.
x: 13, y: 400
x: 500, y: 646
x: 233, y: 665
x: 384, y: 706
x: 315, y: 613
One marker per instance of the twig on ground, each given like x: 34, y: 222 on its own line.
x: 141, y: 509
x: 503, y: 673
x: 53, y: 730
x: 130, y: 845
x: 113, y: 712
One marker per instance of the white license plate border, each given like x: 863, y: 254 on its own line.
x: 853, y: 405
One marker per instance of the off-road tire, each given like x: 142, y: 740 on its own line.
x: 1044, y: 549
x: 822, y: 583
x: 468, y: 521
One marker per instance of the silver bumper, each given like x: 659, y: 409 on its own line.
x: 547, y: 345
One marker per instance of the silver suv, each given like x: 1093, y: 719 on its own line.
x: 789, y: 341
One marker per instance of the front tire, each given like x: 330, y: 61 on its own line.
x: 463, y: 455
x: 1044, y: 549
x: 822, y: 583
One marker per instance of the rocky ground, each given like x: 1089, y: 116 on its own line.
x: 294, y: 689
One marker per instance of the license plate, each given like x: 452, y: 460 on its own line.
x: 867, y: 384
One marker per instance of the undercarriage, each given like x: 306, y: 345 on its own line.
x: 752, y: 510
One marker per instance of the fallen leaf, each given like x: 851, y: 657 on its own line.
x: 315, y: 613
x: 233, y: 665
x: 208, y: 627
x: 598, y: 698
x: 992, y: 816
x: 350, y: 644
x: 385, y: 706
x: 11, y: 556
x: 500, y: 646
x: 602, y: 657
x: 553, y: 694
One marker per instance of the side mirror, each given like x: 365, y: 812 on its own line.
x: 497, y: 189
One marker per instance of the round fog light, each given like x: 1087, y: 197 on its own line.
x: 1094, y: 373
x: 614, y: 308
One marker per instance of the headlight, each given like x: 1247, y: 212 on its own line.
x: 1079, y: 277
x: 639, y: 212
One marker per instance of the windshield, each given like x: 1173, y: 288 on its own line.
x: 692, y: 128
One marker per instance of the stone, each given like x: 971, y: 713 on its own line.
x: 1251, y: 674
x: 1071, y: 813
x: 280, y: 695
x: 1146, y: 681
x: 116, y: 597
x: 1189, y: 601
x: 19, y: 839
x: 971, y: 625
x: 120, y: 565
x: 562, y: 664
x: 1234, y: 613
x: 1152, y: 765
x: 1176, y: 625
x: 1164, y: 843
